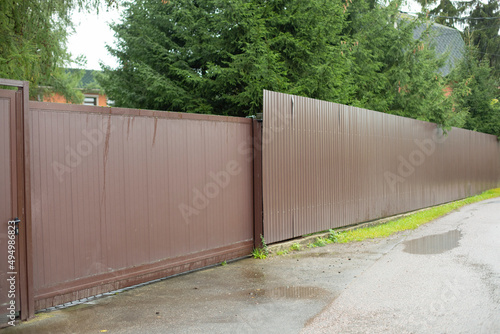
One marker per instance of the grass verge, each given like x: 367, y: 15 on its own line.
x: 412, y: 221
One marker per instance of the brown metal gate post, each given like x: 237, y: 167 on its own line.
x: 23, y: 199
x: 257, y: 182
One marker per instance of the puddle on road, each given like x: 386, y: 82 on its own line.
x: 434, y: 244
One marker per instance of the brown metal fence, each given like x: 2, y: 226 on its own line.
x: 116, y: 197
x: 327, y: 165
x: 122, y: 196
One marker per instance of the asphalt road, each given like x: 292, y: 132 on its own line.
x: 441, y: 278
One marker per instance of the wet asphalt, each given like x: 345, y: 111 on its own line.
x: 443, y: 277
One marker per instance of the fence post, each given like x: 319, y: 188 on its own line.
x: 257, y: 182
x: 22, y: 183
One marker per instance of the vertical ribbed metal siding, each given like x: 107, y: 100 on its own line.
x: 118, y: 205
x: 327, y: 165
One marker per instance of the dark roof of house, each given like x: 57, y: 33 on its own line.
x: 445, y: 39
x: 88, y: 78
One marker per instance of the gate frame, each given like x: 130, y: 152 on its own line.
x: 25, y: 249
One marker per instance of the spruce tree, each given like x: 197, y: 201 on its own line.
x: 215, y: 56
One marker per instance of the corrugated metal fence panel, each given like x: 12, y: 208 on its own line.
x: 327, y: 165
x: 114, y: 189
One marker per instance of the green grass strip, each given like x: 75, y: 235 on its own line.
x: 412, y: 221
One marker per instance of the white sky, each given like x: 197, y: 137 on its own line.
x: 410, y: 6
x: 92, y: 33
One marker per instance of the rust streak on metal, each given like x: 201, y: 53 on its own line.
x: 105, y: 158
x: 125, y: 206
x: 154, y: 132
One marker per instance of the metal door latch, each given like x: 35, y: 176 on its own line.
x: 16, y: 225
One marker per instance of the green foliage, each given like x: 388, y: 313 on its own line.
x: 64, y: 83
x: 320, y: 242
x: 375, y: 48
x: 445, y: 10
x: 476, y: 78
x: 264, y: 245
x: 215, y: 56
x: 295, y: 247
x: 421, y: 90
x: 394, y: 73
x: 333, y: 235
x: 483, y: 34
x: 223, y: 263
x: 33, y: 36
x: 282, y: 252
x: 259, y: 253
x: 475, y: 90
